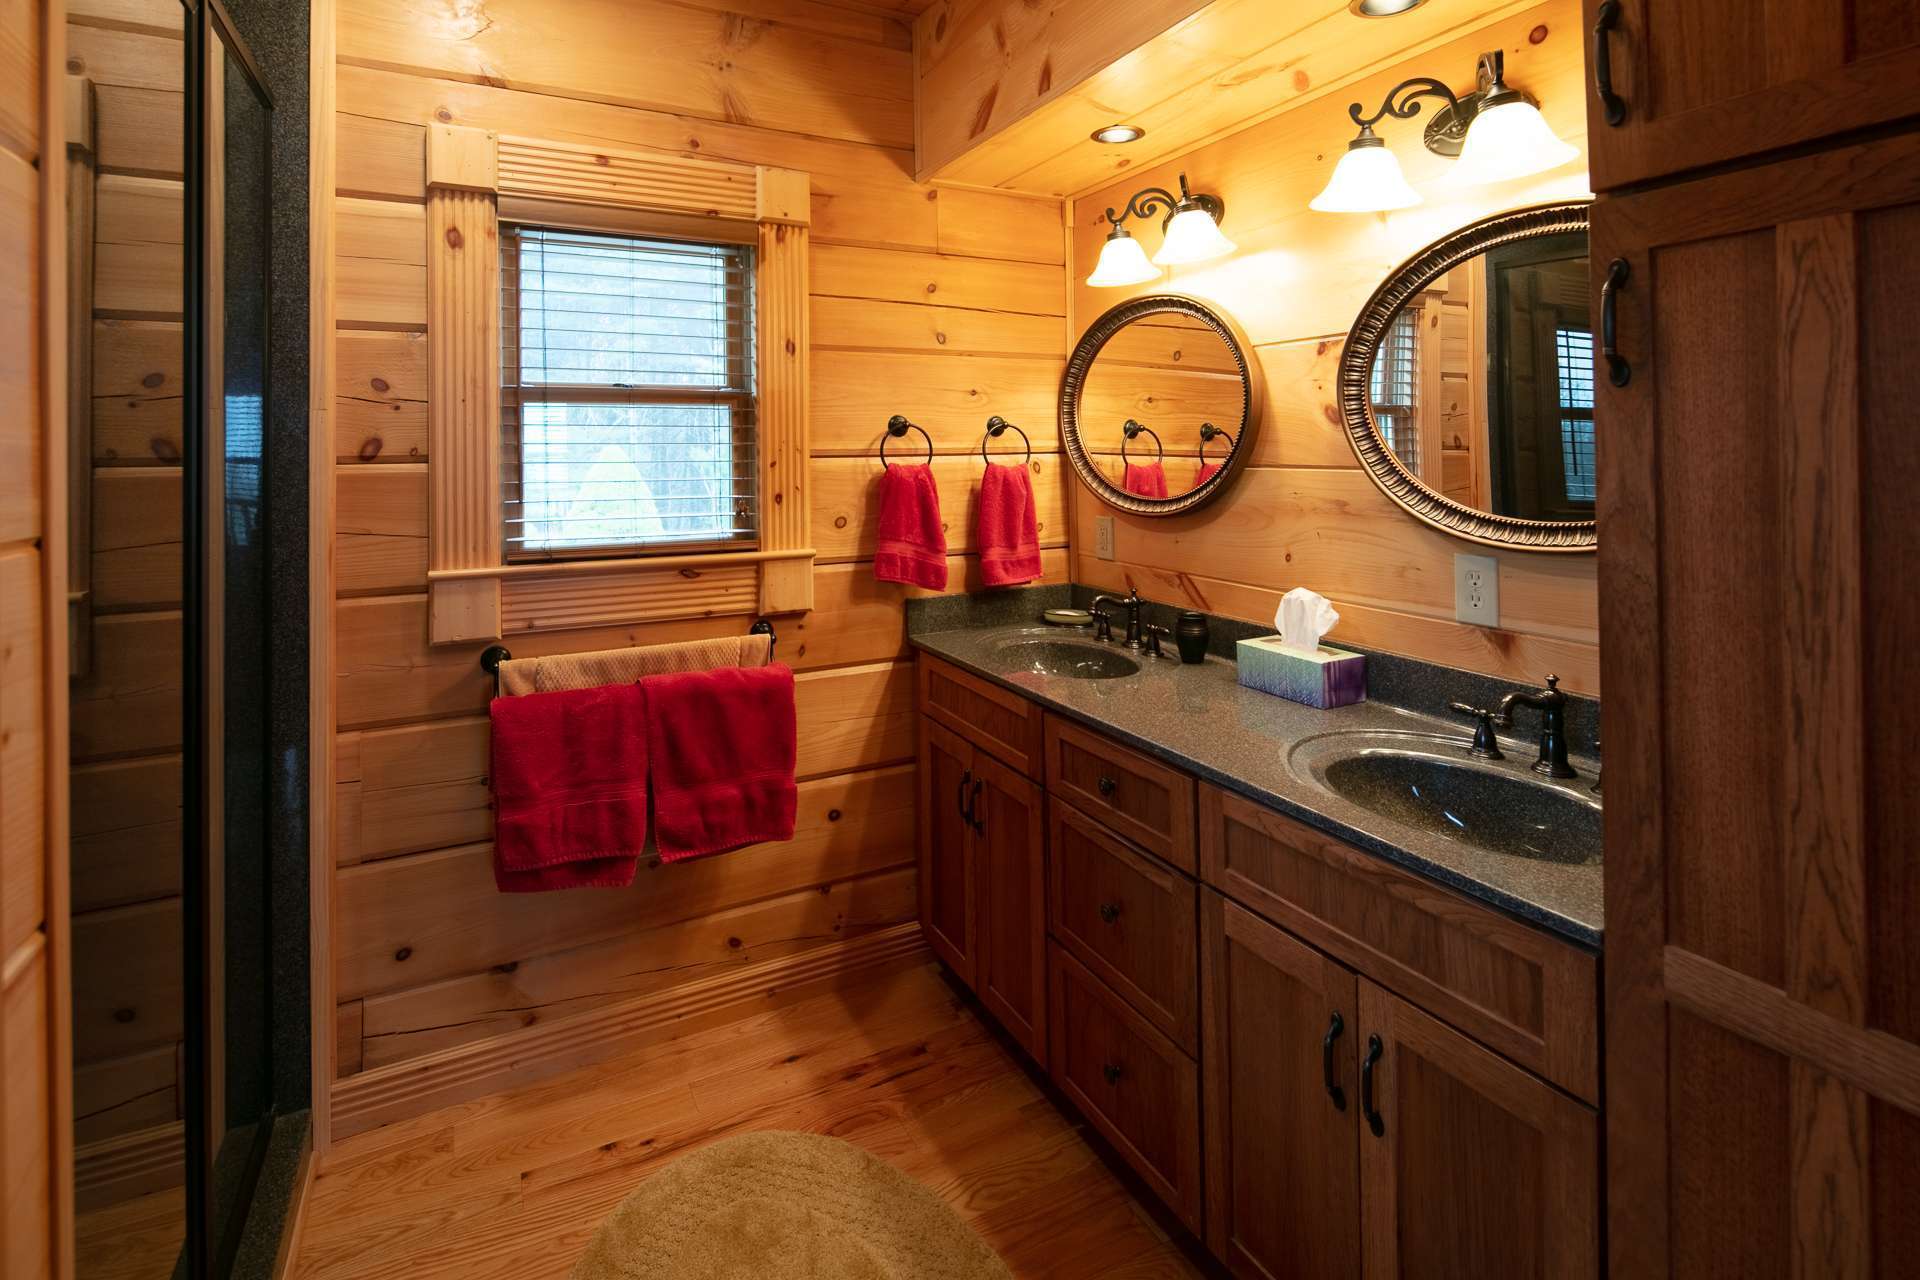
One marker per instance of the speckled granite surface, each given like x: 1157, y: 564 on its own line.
x: 1200, y: 719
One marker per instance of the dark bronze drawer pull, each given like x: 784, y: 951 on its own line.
x: 1112, y: 1072
x: 1109, y: 912
x: 1619, y: 372
x: 1613, y: 107
x: 960, y: 800
x: 1335, y: 1026
x: 1107, y: 785
x: 1374, y: 1051
x: 977, y: 818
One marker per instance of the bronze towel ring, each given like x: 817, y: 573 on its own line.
x: 996, y: 426
x: 898, y: 426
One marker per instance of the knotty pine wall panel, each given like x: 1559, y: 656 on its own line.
x: 1304, y: 514
x: 946, y: 306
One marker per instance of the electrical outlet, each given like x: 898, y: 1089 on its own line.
x: 1476, y: 590
x: 1103, y: 537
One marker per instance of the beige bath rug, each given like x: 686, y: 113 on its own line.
x: 785, y: 1206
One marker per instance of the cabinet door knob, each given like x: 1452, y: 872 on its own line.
x: 1106, y: 785
x: 1375, y: 1121
x: 1109, y: 911
x: 1335, y: 1026
x: 1112, y: 1072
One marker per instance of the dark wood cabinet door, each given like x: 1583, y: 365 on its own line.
x: 1758, y: 532
x: 1477, y: 1168
x: 1700, y: 82
x: 1283, y: 1180
x: 1010, y: 967
x: 949, y: 910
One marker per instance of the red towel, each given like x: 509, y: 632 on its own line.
x: 1009, y: 530
x: 722, y: 746
x: 913, y: 542
x: 569, y: 788
x: 1146, y: 479
x: 1205, y: 472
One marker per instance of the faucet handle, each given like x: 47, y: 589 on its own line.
x: 1151, y: 637
x: 1486, y: 744
x: 1102, y: 624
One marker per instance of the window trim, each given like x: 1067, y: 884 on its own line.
x: 475, y: 179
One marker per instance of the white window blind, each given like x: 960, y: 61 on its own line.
x: 627, y: 400
x: 1394, y: 388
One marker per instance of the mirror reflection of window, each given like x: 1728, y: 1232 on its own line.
x: 1396, y: 388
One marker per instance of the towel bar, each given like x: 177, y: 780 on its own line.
x: 494, y: 654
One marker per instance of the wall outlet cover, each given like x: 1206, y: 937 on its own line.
x: 1103, y: 537
x: 1476, y: 590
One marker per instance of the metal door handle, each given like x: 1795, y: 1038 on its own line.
x: 1374, y: 1051
x: 1619, y: 372
x: 973, y: 809
x: 960, y: 800
x: 1612, y: 105
x: 1335, y: 1026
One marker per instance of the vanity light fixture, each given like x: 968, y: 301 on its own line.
x: 1383, y: 8
x: 1497, y: 131
x: 1119, y: 133
x: 1192, y: 228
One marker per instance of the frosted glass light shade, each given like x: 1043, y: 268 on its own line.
x: 1367, y: 180
x: 1192, y: 236
x: 1122, y: 262
x: 1509, y: 139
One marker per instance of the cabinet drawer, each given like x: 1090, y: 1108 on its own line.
x: 1148, y: 802
x: 1128, y: 918
x: 1517, y: 990
x: 1133, y: 1084
x: 1002, y: 723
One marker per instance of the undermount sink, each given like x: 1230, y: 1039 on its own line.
x: 1075, y: 659
x: 1428, y: 782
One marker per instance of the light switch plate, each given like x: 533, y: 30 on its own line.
x: 1103, y: 537
x: 1476, y: 590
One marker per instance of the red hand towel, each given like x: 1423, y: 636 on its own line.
x: 1147, y: 479
x: 722, y: 746
x: 1205, y: 472
x: 1009, y: 531
x: 913, y: 542
x: 569, y: 788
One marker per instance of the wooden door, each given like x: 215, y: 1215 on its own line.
x: 1010, y: 965
x: 949, y: 908
x: 1283, y: 1177
x: 1474, y: 1167
x: 1699, y: 82
x: 1758, y: 615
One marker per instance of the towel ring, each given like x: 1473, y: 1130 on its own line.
x: 996, y: 426
x: 1132, y: 429
x: 898, y: 426
x: 1209, y: 432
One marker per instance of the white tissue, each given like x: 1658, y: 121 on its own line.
x: 1302, y: 618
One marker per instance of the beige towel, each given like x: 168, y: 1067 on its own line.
x: 624, y: 666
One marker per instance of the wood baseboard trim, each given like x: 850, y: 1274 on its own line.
x: 462, y: 1072
x: 134, y: 1164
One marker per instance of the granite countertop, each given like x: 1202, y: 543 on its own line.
x: 1199, y: 718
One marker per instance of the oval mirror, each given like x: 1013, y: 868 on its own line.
x: 1466, y: 385
x: 1159, y: 405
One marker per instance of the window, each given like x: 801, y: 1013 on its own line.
x: 1573, y: 351
x: 1393, y: 388
x: 627, y: 410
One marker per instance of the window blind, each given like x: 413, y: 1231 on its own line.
x: 1394, y: 388
x: 627, y: 419
x: 1573, y: 349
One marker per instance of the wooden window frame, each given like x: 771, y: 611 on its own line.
x: 476, y: 178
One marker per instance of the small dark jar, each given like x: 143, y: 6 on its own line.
x: 1191, y: 634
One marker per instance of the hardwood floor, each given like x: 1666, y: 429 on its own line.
x: 514, y: 1184
x: 137, y: 1239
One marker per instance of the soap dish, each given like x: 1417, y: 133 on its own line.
x: 1067, y: 618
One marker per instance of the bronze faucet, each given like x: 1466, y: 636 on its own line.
x: 1133, y: 602
x: 1552, y: 706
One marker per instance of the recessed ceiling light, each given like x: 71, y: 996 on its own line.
x: 1117, y: 133
x: 1383, y: 8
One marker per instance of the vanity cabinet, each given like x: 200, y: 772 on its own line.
x: 1709, y: 81
x: 1349, y: 1133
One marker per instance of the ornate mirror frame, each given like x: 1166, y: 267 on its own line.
x: 1356, y: 365
x: 1080, y: 364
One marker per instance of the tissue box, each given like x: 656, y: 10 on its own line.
x: 1329, y: 678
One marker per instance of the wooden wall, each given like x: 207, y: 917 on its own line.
x: 1304, y: 514
x: 34, y: 1155
x: 945, y: 305
x: 126, y: 709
